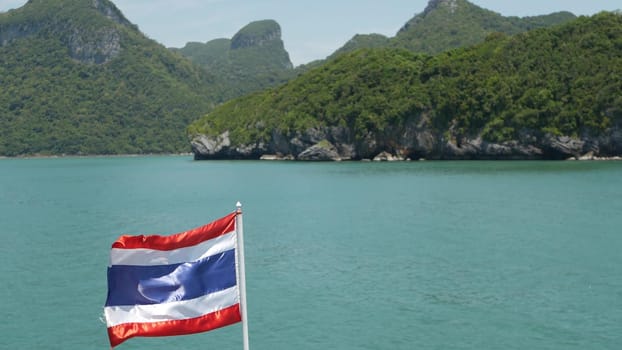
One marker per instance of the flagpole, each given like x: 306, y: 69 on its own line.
x: 240, y: 233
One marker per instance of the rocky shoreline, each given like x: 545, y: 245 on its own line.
x: 414, y: 141
x: 385, y: 157
x: 132, y: 155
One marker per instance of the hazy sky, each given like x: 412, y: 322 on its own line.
x: 311, y: 29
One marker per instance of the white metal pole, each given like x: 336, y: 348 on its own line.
x: 239, y: 227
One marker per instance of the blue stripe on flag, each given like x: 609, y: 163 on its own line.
x: 146, y: 285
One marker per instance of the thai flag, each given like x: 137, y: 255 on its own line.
x: 173, y: 285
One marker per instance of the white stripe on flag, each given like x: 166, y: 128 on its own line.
x: 150, y: 257
x: 177, y: 310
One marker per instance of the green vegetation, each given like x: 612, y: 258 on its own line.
x: 363, y: 41
x: 562, y: 81
x: 78, y: 78
x: 254, y: 59
x: 458, y: 23
x: 212, y: 55
x: 449, y: 24
x: 364, y: 87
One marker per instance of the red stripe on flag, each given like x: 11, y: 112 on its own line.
x: 180, y: 240
x: 119, y: 334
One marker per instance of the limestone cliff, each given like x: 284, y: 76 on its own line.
x: 259, y: 33
x: 414, y: 141
x: 89, y: 39
x: 78, y: 79
x: 254, y: 59
x: 261, y: 39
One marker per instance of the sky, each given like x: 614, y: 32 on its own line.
x: 311, y: 29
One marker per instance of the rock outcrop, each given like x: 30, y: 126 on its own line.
x: 264, y: 34
x: 321, y: 151
x: 109, y: 10
x: 248, y: 38
x: 97, y: 44
x: 435, y: 4
x: 414, y: 141
x: 95, y: 48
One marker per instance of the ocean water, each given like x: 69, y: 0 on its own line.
x: 421, y: 255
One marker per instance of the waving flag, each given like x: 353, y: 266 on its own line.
x: 173, y: 285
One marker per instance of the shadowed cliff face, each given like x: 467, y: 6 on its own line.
x: 9, y: 33
x: 262, y: 36
x: 247, y: 37
x: 253, y: 60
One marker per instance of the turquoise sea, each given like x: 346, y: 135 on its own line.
x: 352, y: 255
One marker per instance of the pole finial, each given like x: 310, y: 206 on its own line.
x: 238, y: 207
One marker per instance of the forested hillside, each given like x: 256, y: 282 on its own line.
x: 449, y: 24
x: 254, y: 59
x: 521, y: 93
x: 264, y: 62
x: 79, y: 78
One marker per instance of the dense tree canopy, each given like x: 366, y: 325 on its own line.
x: 563, y: 80
x: 450, y: 24
x: 78, y: 78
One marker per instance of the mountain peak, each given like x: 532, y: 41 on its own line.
x: 108, y: 9
x: 447, y: 24
x: 90, y: 29
x: 262, y: 37
x: 256, y: 33
x: 63, y: 8
x: 452, y: 5
x: 81, y: 81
